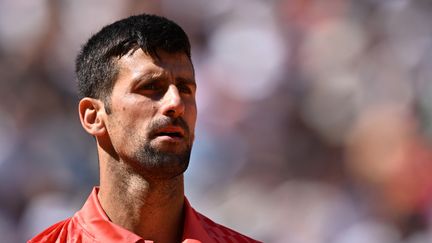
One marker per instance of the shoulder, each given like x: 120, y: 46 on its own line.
x: 222, y: 233
x: 54, y: 233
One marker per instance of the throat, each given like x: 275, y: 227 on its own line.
x: 150, y: 209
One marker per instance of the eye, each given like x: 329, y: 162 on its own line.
x: 150, y: 87
x: 184, y: 88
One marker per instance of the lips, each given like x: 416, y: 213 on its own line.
x: 171, y: 131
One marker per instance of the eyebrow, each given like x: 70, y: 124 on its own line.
x: 186, y: 81
x: 149, y: 75
x: 154, y: 76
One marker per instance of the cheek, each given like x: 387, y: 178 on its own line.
x: 138, y: 111
x: 191, y: 116
x: 130, y: 121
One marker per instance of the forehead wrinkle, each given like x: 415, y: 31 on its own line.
x: 180, y: 64
x: 142, y: 66
x: 144, y: 70
x: 168, y: 74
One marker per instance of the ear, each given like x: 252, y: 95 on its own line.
x: 91, y: 112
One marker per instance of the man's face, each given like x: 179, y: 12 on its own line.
x: 153, y: 112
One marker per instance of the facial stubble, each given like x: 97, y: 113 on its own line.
x: 164, y: 164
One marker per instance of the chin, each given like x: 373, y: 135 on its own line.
x: 163, y: 163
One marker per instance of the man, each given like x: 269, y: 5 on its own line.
x: 137, y: 87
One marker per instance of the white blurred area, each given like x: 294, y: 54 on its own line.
x: 315, y: 116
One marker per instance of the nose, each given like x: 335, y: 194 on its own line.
x: 172, y: 102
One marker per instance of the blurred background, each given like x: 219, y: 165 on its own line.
x: 315, y: 117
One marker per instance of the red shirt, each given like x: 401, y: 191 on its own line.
x: 91, y: 224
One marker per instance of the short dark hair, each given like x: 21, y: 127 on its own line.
x: 96, y: 64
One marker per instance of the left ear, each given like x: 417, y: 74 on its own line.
x: 91, y: 112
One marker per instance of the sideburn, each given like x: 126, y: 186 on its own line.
x: 107, y: 105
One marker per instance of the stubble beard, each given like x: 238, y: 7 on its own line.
x: 162, y: 164
x: 153, y: 162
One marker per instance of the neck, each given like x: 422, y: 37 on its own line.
x: 152, y: 209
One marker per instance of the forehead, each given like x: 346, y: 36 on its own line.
x: 136, y: 63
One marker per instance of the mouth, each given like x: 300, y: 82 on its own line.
x: 171, y: 132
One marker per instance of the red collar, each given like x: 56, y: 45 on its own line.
x: 95, y: 222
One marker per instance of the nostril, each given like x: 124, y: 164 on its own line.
x: 174, y: 110
x: 170, y: 112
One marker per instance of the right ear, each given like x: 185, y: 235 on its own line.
x: 91, y: 112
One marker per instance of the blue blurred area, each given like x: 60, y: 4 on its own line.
x: 315, y: 117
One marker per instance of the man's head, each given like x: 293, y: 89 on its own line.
x: 96, y: 64
x: 137, y: 88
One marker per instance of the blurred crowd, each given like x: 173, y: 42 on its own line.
x: 314, y: 124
